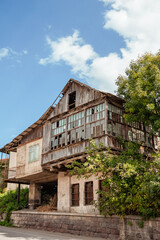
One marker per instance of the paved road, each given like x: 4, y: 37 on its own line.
x: 7, y: 233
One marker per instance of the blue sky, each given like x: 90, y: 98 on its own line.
x: 44, y: 43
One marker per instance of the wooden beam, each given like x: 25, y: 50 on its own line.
x: 67, y: 161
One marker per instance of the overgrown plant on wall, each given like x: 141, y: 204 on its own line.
x: 8, y: 203
x: 130, y: 181
x: 2, y: 185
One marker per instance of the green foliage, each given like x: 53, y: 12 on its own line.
x: 8, y: 203
x: 131, y: 184
x: 6, y: 224
x: 140, y: 223
x: 1, y: 177
x: 141, y: 90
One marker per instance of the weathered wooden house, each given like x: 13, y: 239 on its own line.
x: 39, y: 155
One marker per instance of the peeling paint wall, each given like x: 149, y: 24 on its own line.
x: 12, y: 164
x: 24, y: 167
x: 12, y: 172
x: 82, y: 208
x: 64, y: 194
x: 64, y: 183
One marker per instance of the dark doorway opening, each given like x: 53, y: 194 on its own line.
x: 49, y: 196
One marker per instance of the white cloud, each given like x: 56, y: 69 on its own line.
x: 12, y: 54
x: 73, y: 51
x: 3, y: 53
x: 137, y: 21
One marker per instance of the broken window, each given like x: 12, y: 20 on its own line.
x: 58, y: 133
x: 59, y: 127
x: 88, y: 193
x: 80, y: 134
x: 135, y: 124
x: 95, y: 129
x: 76, y: 120
x: 115, y: 109
x: 75, y: 135
x: 136, y: 135
x: 140, y: 136
x: 115, y: 113
x: 33, y: 153
x: 72, y: 100
x: 75, y: 127
x: 116, y: 129
x: 75, y: 194
x: 95, y: 113
x: 71, y: 137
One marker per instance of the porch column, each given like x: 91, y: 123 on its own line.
x: 64, y: 192
x: 34, y: 195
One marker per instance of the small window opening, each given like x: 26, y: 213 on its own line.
x: 88, y: 193
x: 75, y: 194
x: 72, y: 100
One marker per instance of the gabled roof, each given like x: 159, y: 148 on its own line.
x: 79, y: 83
x: 109, y: 96
x: 14, y: 143
x: 67, y: 86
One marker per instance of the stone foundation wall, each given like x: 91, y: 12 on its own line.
x: 111, y: 228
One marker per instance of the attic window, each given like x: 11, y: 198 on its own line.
x: 72, y: 100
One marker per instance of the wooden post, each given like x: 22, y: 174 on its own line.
x: 18, y: 197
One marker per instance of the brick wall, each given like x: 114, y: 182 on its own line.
x: 111, y: 228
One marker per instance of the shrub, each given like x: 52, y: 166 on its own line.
x: 130, y: 182
x: 8, y: 203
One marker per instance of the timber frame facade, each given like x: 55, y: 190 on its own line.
x: 39, y: 155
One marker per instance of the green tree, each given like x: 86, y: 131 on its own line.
x: 130, y: 183
x: 8, y: 203
x: 140, y: 88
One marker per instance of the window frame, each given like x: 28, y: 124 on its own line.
x: 73, y: 194
x: 87, y: 199
x: 31, y: 150
x: 64, y: 126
